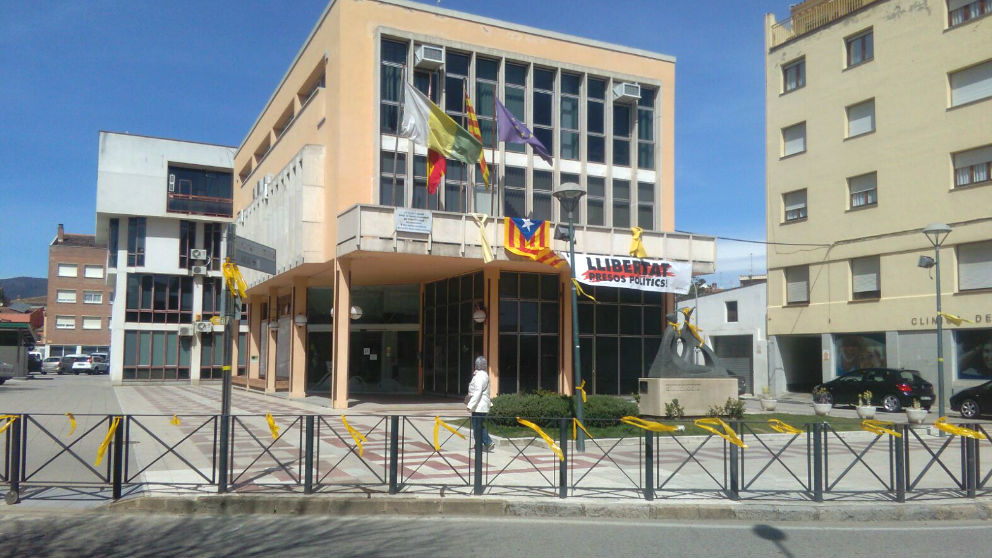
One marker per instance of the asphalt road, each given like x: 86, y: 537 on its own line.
x: 137, y: 535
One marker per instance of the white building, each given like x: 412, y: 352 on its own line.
x: 158, y: 200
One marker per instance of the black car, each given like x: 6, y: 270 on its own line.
x: 890, y: 388
x: 973, y: 401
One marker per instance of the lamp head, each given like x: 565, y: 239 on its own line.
x: 568, y: 195
x: 937, y: 233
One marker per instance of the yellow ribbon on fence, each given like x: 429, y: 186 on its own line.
x: 356, y: 435
x: 102, y: 450
x: 879, y: 427
x: 942, y: 424
x: 650, y: 425
x: 273, y: 427
x: 551, y: 443
x: 235, y: 282
x: 636, y: 246
x: 779, y: 426
x: 175, y: 421
x: 438, y: 423
x: 10, y: 420
x: 728, y: 433
x: 72, y: 424
x: 582, y: 387
x: 576, y: 423
x: 487, y: 250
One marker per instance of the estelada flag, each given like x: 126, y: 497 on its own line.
x: 531, y: 239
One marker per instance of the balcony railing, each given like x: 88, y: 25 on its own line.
x: 811, y: 16
x: 199, y: 205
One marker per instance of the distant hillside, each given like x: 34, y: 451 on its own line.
x: 24, y: 287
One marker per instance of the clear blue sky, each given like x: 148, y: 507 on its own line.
x: 202, y: 71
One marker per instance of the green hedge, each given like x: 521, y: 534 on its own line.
x: 545, y: 407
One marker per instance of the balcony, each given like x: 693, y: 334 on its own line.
x: 812, y: 15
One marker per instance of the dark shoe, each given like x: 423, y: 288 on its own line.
x: 489, y: 447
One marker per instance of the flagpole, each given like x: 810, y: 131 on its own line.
x: 430, y: 88
x: 494, y: 180
x: 461, y: 184
x: 399, y: 124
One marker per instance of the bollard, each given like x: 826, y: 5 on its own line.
x: 14, y: 472
x: 818, y: 462
x: 900, y: 443
x: 734, y: 491
x: 971, y: 464
x: 648, y: 465
x: 394, y: 453
x: 477, y: 459
x: 223, y: 451
x: 117, y: 478
x: 308, y: 457
x: 563, y: 463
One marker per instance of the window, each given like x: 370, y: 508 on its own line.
x: 514, y: 192
x: 596, y: 120
x: 971, y: 84
x: 543, y: 184
x: 528, y: 331
x: 794, y: 75
x: 421, y: 199
x: 645, y: 205
x: 453, y: 337
x: 973, y: 166
x: 455, y: 81
x: 861, y: 118
x: 135, y: 241
x: 960, y: 11
x: 975, y: 266
x: 93, y: 272
x: 212, y: 235
x: 187, y: 241
x: 645, y: 129
x: 93, y: 297
x: 795, y: 205
x: 65, y: 322
x: 91, y: 322
x: 68, y: 270
x: 515, y: 97
x: 621, y: 135
x: 794, y: 139
x: 863, y: 190
x: 113, y: 231
x: 486, y: 78
x: 156, y: 355
x: 65, y: 297
x: 865, y: 282
x: 456, y: 187
x: 543, y: 97
x: 731, y: 311
x: 393, y: 55
x: 160, y: 299
x: 860, y: 48
x: 595, y: 200
x: 392, y: 178
x: 621, y: 203
x: 569, y: 115
x: 200, y: 192
x: 797, y: 285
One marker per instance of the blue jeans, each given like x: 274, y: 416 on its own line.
x: 479, y: 426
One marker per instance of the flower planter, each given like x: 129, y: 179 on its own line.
x: 916, y: 416
x: 822, y: 409
x: 768, y: 404
x: 866, y: 412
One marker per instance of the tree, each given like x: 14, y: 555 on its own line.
x: 697, y: 287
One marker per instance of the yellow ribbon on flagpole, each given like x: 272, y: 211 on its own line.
x: 650, y: 424
x: 577, y: 423
x: 10, y: 420
x: 728, y: 433
x: 779, y: 426
x: 578, y: 289
x: 235, y: 282
x: 879, y: 427
x: 487, y: 250
x: 175, y: 421
x: 636, y: 246
x: 956, y: 320
x: 102, y: 450
x: 551, y: 443
x: 355, y: 435
x: 438, y: 423
x: 582, y: 387
x: 942, y: 424
x: 273, y: 427
x: 72, y: 424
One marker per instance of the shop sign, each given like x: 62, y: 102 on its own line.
x: 414, y: 221
x: 633, y: 273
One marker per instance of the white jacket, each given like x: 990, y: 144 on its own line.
x: 478, y: 393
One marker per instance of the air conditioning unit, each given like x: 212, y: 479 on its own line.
x: 185, y: 330
x: 626, y: 92
x: 198, y: 270
x: 430, y: 57
x: 198, y: 254
x: 172, y: 182
x: 203, y: 327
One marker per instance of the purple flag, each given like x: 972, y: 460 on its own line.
x: 512, y: 130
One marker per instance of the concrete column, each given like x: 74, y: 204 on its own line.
x: 567, y: 380
x: 196, y: 350
x: 255, y: 324
x: 298, y: 345
x: 269, y: 335
x: 490, y: 332
x: 117, y: 317
x: 341, y: 334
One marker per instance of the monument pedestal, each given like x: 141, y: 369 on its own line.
x: 695, y: 395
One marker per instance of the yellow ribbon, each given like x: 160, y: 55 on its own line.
x: 551, y: 443
x: 273, y: 427
x: 636, y: 246
x: 576, y: 423
x: 438, y: 423
x: 728, y: 433
x: 487, y: 250
x: 10, y: 420
x: 879, y: 427
x: 72, y: 424
x: 102, y: 450
x: 582, y: 387
x: 356, y: 435
x: 235, y: 282
x: 175, y: 421
x: 578, y: 290
x: 779, y: 426
x: 650, y: 425
x: 956, y: 320
x: 942, y: 424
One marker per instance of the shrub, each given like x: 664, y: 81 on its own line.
x: 607, y: 410
x: 732, y: 409
x: 674, y: 410
x: 540, y: 408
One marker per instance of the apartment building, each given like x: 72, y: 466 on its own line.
x: 879, y: 122
x: 77, y: 316
x: 162, y: 207
x: 380, y: 287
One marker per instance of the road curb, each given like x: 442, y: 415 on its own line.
x: 468, y: 506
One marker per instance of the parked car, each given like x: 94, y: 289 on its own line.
x: 34, y: 361
x: 50, y: 364
x: 66, y: 362
x: 90, y: 364
x: 973, y: 401
x: 891, y: 388
x: 6, y: 372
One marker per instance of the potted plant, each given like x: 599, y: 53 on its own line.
x: 865, y: 409
x: 822, y: 401
x: 767, y: 401
x: 916, y: 414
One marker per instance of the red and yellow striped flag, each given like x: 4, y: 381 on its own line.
x: 530, y: 238
x: 473, y: 128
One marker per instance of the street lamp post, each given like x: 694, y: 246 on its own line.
x: 568, y: 195
x: 936, y: 234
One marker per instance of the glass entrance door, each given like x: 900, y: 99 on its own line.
x: 383, y: 361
